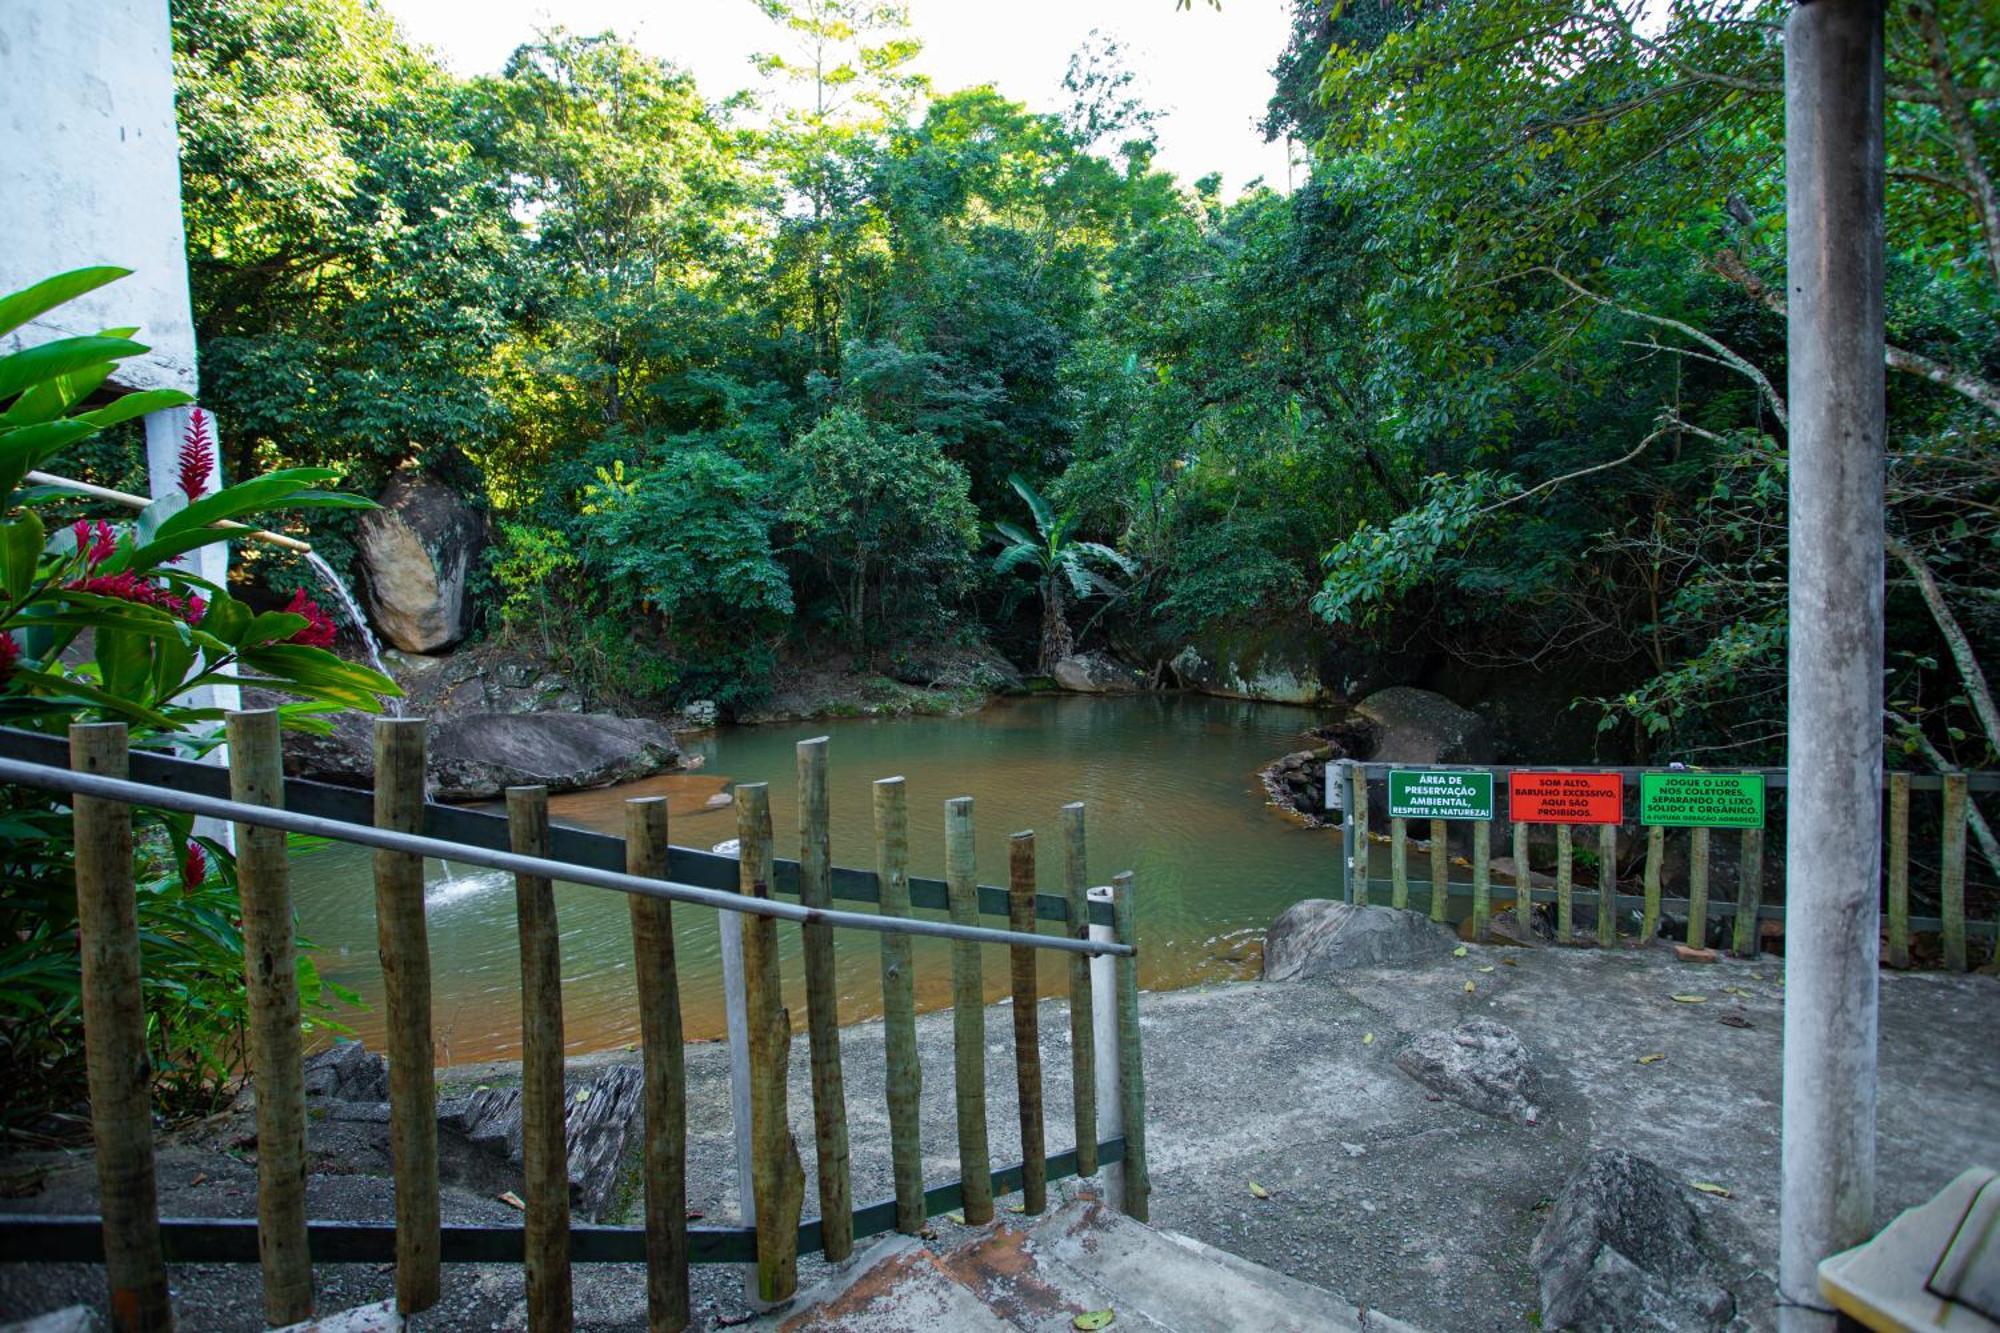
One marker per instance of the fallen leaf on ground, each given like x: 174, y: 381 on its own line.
x: 1487, y: 968
x: 959, y: 1218
x: 1735, y: 1021
x: 512, y: 1200
x: 1736, y: 990
x: 1460, y: 951
x: 695, y: 1214
x: 582, y: 1095
x: 1017, y: 1207
x: 1706, y: 1188
x: 1690, y: 999
x: 1093, y: 1319
x: 1469, y: 987
x: 199, y: 1177
x: 1652, y: 1059
x: 1258, y: 1191
x: 1367, y: 1039
x: 1510, y: 962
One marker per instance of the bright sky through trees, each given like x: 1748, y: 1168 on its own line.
x: 1208, y: 71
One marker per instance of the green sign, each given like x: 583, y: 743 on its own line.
x: 1702, y: 800
x: 1422, y: 793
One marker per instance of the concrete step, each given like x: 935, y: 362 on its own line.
x: 895, y: 1286
x: 1179, y: 1283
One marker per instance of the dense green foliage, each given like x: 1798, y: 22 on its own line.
x: 1494, y: 387
x: 102, y: 621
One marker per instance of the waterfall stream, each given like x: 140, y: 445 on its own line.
x: 352, y: 610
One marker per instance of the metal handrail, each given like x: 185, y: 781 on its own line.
x: 48, y: 778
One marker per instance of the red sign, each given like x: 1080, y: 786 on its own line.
x: 1565, y: 798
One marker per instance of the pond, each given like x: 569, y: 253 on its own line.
x: 1171, y: 792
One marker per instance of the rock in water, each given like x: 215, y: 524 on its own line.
x: 1094, y: 673
x: 415, y: 552
x: 1480, y: 1063
x: 1621, y: 1250
x: 1415, y: 726
x: 480, y: 756
x: 1319, y: 936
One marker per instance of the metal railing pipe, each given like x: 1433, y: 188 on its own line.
x: 49, y: 778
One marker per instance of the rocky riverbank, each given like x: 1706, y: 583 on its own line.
x: 1325, y: 1092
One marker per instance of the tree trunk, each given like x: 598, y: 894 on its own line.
x: 1056, y: 641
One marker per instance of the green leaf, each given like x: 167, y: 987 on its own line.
x: 126, y: 660
x: 22, y: 306
x: 65, y: 356
x: 128, y: 406
x: 227, y: 619
x: 20, y: 550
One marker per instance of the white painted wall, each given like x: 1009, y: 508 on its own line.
x: 90, y: 170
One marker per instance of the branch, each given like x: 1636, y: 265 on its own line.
x: 1984, y: 200
x: 1619, y: 461
x: 1729, y: 357
x: 1982, y: 832
x: 1969, y: 670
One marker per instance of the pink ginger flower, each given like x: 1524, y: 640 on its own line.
x: 10, y: 653
x: 319, y: 630
x: 197, y: 455
x: 129, y: 587
x: 194, y: 866
x: 94, y: 541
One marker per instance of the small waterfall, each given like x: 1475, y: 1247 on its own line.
x: 352, y: 610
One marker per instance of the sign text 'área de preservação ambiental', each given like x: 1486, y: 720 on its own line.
x: 1702, y: 800
x: 1565, y: 798
x: 1427, y: 793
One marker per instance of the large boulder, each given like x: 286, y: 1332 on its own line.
x: 602, y: 1118
x: 1480, y: 1064
x: 1414, y: 726
x: 1621, y: 1250
x: 480, y: 756
x: 415, y: 552
x: 1320, y: 936
x: 1094, y: 673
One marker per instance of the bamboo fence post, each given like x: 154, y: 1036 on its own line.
x: 1358, y: 853
x: 1027, y: 1025
x: 778, y: 1179
x: 1951, y: 884
x: 1656, y: 855
x: 544, y: 1141
x: 1899, y: 870
x: 899, y: 1006
x: 661, y: 1053
x: 968, y: 1016
x: 1082, y: 1029
x: 406, y: 993
x: 1749, y: 893
x: 1565, y: 882
x: 116, y: 1062
x: 1524, y: 885
x: 1399, y: 864
x: 1607, y: 885
x: 1440, y: 870
x: 270, y: 980
x: 1131, y: 1067
x: 1482, y: 879
x: 1697, y: 931
x: 836, y: 1196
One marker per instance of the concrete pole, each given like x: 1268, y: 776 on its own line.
x: 1104, y: 1023
x: 1833, y: 173
x: 736, y: 1020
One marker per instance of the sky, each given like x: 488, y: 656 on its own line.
x: 1207, y: 71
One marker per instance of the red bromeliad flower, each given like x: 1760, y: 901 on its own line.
x: 197, y: 455
x: 319, y: 630
x: 95, y: 542
x: 194, y: 866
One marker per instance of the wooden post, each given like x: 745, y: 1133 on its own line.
x: 544, y: 1149
x: 119, y: 1071
x: 836, y: 1196
x: 1607, y: 885
x: 1399, y: 864
x: 270, y: 980
x: 1524, y: 885
x: 1482, y: 877
x: 1082, y: 1028
x: 1565, y: 882
x: 661, y: 1054
x: 1697, y: 931
x: 1440, y: 870
x: 899, y: 1006
x: 975, y: 1165
x: 778, y: 1180
x: 1951, y: 883
x: 1656, y: 853
x: 406, y: 995
x: 1899, y: 870
x: 1749, y: 893
x: 1131, y: 1067
x: 1027, y: 1026
x: 1358, y: 853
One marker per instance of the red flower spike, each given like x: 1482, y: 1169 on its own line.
x: 319, y: 631
x: 130, y: 587
x: 196, y: 609
x: 194, y: 866
x: 94, y: 542
x: 197, y: 455
x: 10, y: 653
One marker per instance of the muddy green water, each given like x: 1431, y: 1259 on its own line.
x: 1172, y: 795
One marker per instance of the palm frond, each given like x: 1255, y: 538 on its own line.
x: 1044, y: 516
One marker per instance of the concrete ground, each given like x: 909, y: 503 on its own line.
x: 1419, y: 1208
